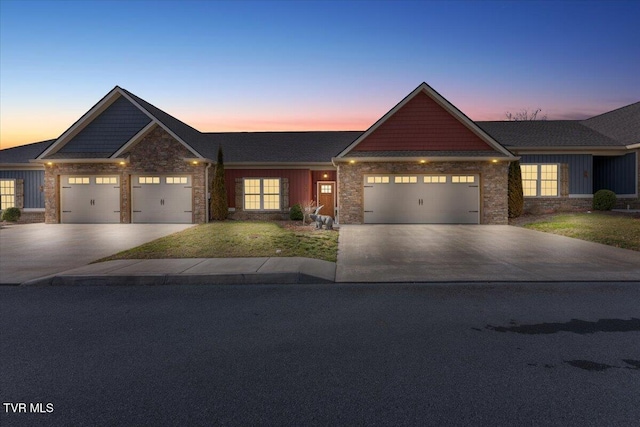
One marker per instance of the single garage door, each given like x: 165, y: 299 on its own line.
x: 421, y: 199
x: 161, y: 199
x: 89, y: 199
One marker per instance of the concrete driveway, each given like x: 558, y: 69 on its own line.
x: 31, y: 251
x: 416, y: 253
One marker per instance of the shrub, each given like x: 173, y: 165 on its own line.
x: 11, y: 214
x: 604, y: 200
x: 295, y: 213
x: 516, y: 197
x: 219, y: 204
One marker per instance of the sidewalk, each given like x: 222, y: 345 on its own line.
x: 194, y: 271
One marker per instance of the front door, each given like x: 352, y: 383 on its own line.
x: 327, y: 197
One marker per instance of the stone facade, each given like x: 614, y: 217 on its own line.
x: 493, y: 185
x: 157, y: 153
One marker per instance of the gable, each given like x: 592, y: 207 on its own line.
x: 422, y: 125
x: 108, y: 131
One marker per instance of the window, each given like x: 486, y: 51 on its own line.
x: 406, y: 179
x: 377, y: 180
x: 325, y: 188
x: 106, y: 180
x: 76, y: 180
x: 463, y: 179
x: 148, y: 180
x: 262, y: 194
x: 176, y: 180
x: 7, y: 193
x: 435, y: 179
x: 539, y: 180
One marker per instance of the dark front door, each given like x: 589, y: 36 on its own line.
x: 327, y: 197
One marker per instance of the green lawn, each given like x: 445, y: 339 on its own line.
x: 622, y: 231
x: 232, y: 239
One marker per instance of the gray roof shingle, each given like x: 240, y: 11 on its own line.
x: 546, y: 134
x: 277, y: 147
x: 622, y: 124
x: 24, y: 153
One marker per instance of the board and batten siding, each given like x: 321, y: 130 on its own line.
x: 615, y: 173
x: 580, y: 169
x: 299, y: 182
x: 33, y: 182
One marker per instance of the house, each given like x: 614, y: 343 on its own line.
x: 126, y: 161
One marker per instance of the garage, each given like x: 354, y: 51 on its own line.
x: 89, y: 199
x: 422, y: 199
x: 162, y: 199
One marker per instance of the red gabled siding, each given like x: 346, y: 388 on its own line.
x: 300, y: 188
x: 422, y: 125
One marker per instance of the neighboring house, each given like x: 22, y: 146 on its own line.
x: 423, y: 162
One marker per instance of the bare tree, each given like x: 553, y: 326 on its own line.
x: 525, y: 115
x: 307, y: 208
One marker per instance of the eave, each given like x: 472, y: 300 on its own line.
x: 20, y: 166
x: 427, y: 159
x: 602, y: 150
x: 279, y: 165
x: 99, y: 160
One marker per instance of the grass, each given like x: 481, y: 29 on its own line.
x: 622, y: 231
x: 232, y: 239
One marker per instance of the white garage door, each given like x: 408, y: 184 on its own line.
x: 89, y: 199
x: 421, y: 199
x: 161, y: 199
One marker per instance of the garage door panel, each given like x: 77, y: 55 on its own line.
x: 162, y: 199
x: 432, y: 199
x: 89, y: 199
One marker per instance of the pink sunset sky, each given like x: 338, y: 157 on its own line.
x: 261, y: 66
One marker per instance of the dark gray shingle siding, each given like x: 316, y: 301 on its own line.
x: 110, y: 130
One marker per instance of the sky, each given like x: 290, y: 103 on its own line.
x: 304, y: 65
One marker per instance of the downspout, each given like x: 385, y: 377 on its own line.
x: 207, y: 193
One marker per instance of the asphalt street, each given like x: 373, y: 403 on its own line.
x: 402, y: 354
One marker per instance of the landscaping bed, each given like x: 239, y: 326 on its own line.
x: 619, y: 229
x: 234, y: 239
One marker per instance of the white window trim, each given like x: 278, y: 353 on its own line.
x: 261, y: 194
x: 14, y: 192
x: 539, y: 180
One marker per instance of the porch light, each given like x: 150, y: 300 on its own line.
x: 121, y: 163
x: 325, y: 176
x: 494, y: 161
x: 352, y: 161
x: 194, y: 162
x: 423, y: 161
x: 50, y: 163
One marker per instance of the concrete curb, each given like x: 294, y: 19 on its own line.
x: 222, y: 271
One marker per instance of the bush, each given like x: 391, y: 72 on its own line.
x: 11, y: 214
x: 295, y: 213
x: 516, y: 198
x: 604, y: 200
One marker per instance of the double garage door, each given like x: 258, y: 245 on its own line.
x: 154, y: 199
x: 422, y: 199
